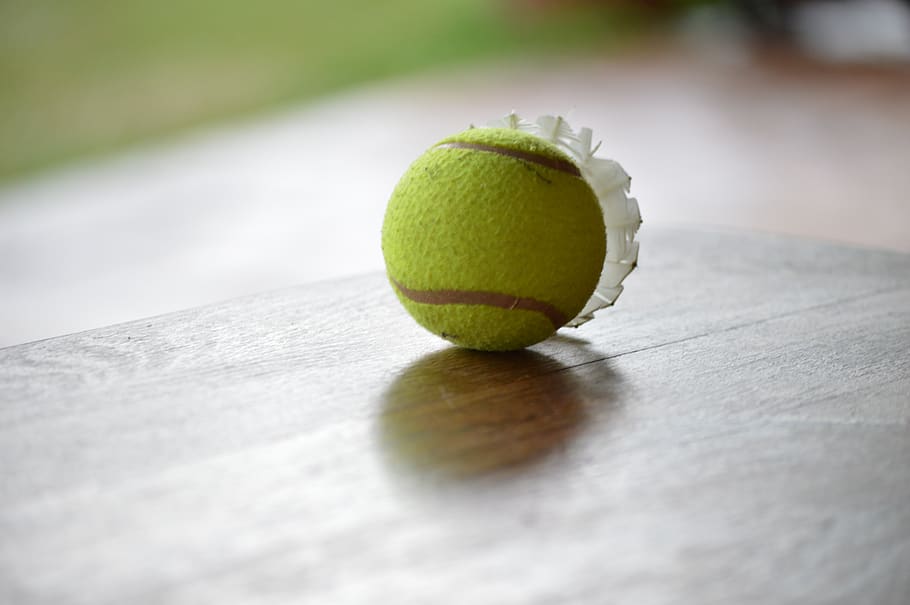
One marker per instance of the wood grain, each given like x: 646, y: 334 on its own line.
x: 737, y: 430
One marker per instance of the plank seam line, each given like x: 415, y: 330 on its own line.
x: 756, y: 322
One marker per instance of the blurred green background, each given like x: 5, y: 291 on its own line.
x: 80, y: 78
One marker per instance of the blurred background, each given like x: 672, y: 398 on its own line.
x: 157, y: 155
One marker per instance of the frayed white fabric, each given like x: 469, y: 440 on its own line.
x: 611, y: 186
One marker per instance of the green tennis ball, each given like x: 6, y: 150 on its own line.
x: 493, y: 240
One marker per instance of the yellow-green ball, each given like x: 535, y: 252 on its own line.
x: 493, y: 240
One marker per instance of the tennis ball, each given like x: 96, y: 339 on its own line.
x: 493, y: 240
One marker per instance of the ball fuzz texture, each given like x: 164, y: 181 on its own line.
x: 493, y: 240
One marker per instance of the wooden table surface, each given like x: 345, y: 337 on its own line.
x: 736, y: 430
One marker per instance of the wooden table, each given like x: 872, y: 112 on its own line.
x: 736, y: 430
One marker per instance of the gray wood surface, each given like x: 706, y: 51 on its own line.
x: 736, y: 430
